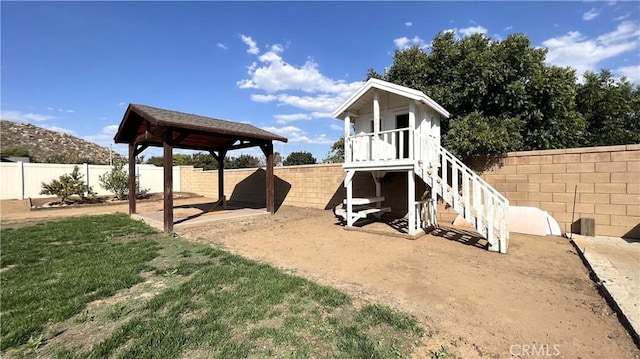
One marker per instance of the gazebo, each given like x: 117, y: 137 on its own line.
x: 143, y: 126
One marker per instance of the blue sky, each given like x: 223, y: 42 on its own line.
x: 281, y: 66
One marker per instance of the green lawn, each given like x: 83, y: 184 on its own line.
x: 109, y: 286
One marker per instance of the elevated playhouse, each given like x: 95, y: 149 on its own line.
x: 397, y: 129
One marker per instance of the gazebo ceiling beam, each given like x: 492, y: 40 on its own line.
x: 181, y: 137
x: 138, y: 150
x: 246, y: 144
x: 150, y: 134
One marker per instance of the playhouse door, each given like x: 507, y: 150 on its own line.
x: 402, y: 142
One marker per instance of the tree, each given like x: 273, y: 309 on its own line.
x: 68, y: 185
x: 207, y: 162
x: 157, y: 161
x: 499, y: 92
x: 336, y: 153
x: 204, y: 161
x: 179, y: 159
x: 611, y: 109
x: 117, y: 182
x: 299, y: 158
x: 242, y: 161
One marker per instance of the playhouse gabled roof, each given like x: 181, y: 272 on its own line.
x: 364, y: 95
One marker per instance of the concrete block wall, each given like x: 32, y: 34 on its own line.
x: 313, y: 186
x: 606, y: 181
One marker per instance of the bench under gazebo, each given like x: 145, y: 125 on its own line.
x: 144, y: 126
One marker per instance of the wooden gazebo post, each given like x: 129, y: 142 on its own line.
x: 168, y: 180
x: 132, y: 178
x: 267, y: 149
x: 219, y: 157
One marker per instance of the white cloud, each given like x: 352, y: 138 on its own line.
x: 408, y: 24
x: 292, y: 117
x: 295, y: 134
x: 301, y: 116
x: 322, y: 102
x: 405, y: 42
x: 60, y: 110
x: 508, y: 28
x: 626, y: 31
x: 253, y: 46
x: 263, y: 98
x: 336, y: 127
x: 591, y: 14
x: 121, y: 104
x: 302, y: 87
x: 19, y: 116
x: 583, y: 53
x: 622, y: 17
x: 468, y: 31
x: 105, y: 137
x: 274, y: 75
x: 222, y: 46
x: 632, y: 73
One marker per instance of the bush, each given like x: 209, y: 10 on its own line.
x: 117, y: 182
x: 68, y: 185
x: 15, y: 151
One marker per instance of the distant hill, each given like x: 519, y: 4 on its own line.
x: 50, y: 146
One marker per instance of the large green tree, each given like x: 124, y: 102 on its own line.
x: 611, y: 109
x: 500, y: 93
x: 299, y: 158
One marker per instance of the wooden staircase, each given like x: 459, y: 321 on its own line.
x: 467, y: 193
x: 449, y: 179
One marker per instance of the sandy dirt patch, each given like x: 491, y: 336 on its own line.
x: 480, y: 304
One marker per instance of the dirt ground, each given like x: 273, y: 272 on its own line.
x: 535, y: 301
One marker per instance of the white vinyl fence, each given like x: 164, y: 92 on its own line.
x: 20, y: 180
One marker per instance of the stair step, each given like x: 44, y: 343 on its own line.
x: 363, y: 213
x: 364, y: 200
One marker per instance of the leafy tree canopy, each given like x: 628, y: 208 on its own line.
x: 207, y: 162
x: 503, y: 97
x: 299, y: 158
x: 336, y: 153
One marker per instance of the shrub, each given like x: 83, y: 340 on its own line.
x: 117, y: 182
x: 68, y: 185
x: 15, y: 151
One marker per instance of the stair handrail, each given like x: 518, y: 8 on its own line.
x: 498, y: 203
x: 453, y: 159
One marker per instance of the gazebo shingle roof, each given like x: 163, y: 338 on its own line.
x: 133, y: 125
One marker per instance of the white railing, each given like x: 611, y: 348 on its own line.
x: 388, y: 145
x: 425, y: 214
x: 468, y: 194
